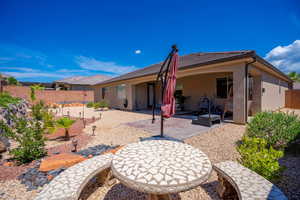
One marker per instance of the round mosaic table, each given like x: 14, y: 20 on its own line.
x: 161, y: 167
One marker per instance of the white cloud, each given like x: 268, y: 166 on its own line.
x: 35, y: 74
x: 24, y: 69
x: 90, y: 63
x: 72, y: 70
x: 286, y: 58
x: 138, y: 51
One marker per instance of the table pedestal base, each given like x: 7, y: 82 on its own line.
x: 159, y: 197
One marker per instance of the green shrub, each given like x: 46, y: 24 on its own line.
x: 37, y: 110
x: 6, y: 99
x: 101, y: 104
x: 90, y: 104
x: 257, y: 156
x: 29, y: 135
x: 278, y: 129
x: 49, y: 122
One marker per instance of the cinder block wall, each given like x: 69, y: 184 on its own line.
x: 51, y: 96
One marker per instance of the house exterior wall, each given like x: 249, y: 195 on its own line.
x: 195, y: 87
x: 273, y: 92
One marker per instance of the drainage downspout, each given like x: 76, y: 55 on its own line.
x: 246, y: 87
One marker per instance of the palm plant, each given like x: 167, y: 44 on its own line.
x: 65, y: 123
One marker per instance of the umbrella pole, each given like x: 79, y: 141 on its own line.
x: 162, y: 75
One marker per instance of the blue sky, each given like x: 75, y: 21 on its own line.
x: 50, y: 40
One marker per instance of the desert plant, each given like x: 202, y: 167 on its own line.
x: 6, y: 99
x: 33, y: 89
x: 277, y: 128
x: 37, y: 110
x: 101, y: 104
x: 90, y: 104
x: 65, y: 123
x: 29, y: 135
x: 49, y: 122
x: 258, y: 156
x: 12, y: 81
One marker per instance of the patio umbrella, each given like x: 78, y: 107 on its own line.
x: 167, y: 76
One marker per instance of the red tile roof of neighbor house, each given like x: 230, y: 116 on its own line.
x: 194, y: 60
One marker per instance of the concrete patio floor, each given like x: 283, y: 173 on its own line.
x: 180, y: 127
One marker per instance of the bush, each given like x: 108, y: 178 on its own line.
x: 257, y: 156
x: 278, y: 129
x: 29, y: 135
x: 37, y: 110
x: 101, y: 104
x: 6, y: 99
x: 90, y: 104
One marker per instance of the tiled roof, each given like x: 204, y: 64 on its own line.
x: 84, y: 80
x: 185, y: 61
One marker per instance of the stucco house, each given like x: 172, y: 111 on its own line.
x: 256, y: 84
x: 79, y: 82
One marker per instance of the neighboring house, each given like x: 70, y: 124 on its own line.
x: 296, y: 86
x: 47, y: 86
x: 79, y: 82
x: 205, y: 74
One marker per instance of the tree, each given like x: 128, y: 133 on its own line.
x: 12, y: 81
x: 65, y: 123
x: 294, y: 76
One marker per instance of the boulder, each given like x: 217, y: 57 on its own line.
x: 63, y: 160
x: 2, y: 147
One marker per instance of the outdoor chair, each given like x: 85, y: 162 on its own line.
x: 210, y: 117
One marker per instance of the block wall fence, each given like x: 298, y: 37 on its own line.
x: 51, y: 96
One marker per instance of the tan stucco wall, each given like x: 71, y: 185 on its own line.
x: 274, y: 95
x: 195, y: 87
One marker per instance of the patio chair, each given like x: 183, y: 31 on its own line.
x: 210, y: 117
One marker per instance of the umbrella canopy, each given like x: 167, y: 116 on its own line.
x: 168, y: 106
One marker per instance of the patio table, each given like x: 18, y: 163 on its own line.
x: 161, y: 167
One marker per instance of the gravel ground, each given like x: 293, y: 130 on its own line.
x: 111, y: 128
x: 218, y: 144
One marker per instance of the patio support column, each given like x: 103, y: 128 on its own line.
x: 239, y: 95
x: 130, y: 94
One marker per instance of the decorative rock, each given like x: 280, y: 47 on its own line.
x: 113, y: 151
x: 2, y: 147
x: 8, y: 164
x: 49, y: 177
x: 59, y: 161
x: 95, y: 150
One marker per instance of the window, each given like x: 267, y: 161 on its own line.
x: 223, y: 87
x: 103, y: 92
x: 121, y: 91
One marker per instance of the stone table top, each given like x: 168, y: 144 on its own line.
x: 161, y: 166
